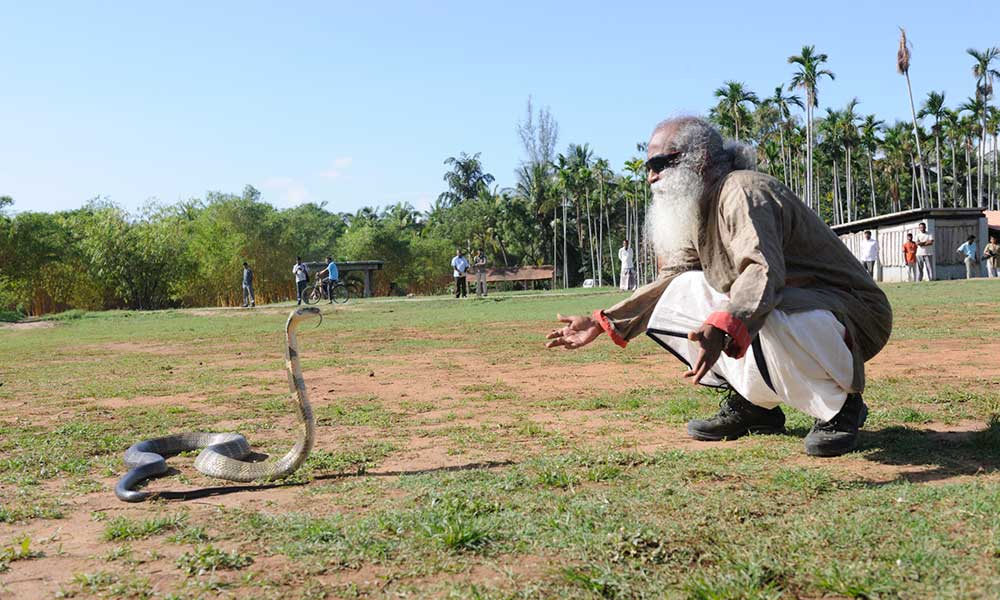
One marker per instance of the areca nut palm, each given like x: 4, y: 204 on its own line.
x: 934, y: 107
x: 783, y: 104
x: 869, y: 139
x: 903, y: 55
x: 807, y: 77
x: 984, y: 73
x: 732, y: 96
x: 953, y: 131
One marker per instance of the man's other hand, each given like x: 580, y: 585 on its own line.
x: 712, y: 341
x: 578, y: 332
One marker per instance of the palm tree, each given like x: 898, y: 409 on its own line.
x: 895, y: 152
x: 783, y: 104
x: 984, y: 73
x: 934, y: 107
x: 903, y: 66
x: 465, y: 179
x: 993, y: 129
x: 848, y: 133
x: 602, y: 171
x: 732, y: 96
x: 968, y: 126
x: 807, y: 76
x: 869, y: 140
x: 953, y: 131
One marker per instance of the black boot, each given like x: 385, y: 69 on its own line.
x: 839, y: 435
x: 736, y: 418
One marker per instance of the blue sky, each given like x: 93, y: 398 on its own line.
x: 359, y: 103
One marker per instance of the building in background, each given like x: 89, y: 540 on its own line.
x: 949, y: 226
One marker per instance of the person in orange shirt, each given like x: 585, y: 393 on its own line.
x: 910, y: 256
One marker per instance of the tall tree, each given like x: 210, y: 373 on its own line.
x: 732, y: 96
x: 807, y: 77
x: 903, y: 66
x: 869, y: 140
x: 953, y: 131
x: 783, y: 104
x: 984, y: 73
x: 934, y: 107
x: 465, y: 180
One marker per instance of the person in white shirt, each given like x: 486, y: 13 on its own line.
x: 460, y: 267
x: 925, y: 253
x: 628, y: 282
x: 869, y: 253
x: 301, y: 277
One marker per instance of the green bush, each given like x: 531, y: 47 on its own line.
x: 10, y: 316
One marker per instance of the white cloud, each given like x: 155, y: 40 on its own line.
x: 340, y: 165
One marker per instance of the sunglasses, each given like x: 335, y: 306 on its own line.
x: 657, y: 163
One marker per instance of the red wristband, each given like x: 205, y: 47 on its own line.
x: 608, y: 328
x: 736, y: 330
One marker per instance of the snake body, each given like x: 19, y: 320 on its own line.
x: 223, y: 454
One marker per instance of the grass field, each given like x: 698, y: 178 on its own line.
x: 456, y: 457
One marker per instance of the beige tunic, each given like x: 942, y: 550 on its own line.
x: 762, y: 246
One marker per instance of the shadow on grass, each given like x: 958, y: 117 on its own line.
x: 232, y: 489
x: 946, y: 453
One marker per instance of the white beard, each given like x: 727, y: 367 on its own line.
x: 673, y: 216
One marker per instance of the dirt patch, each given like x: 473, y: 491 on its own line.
x: 144, y: 347
x: 28, y: 325
x: 953, y: 359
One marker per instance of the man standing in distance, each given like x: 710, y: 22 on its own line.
x: 248, y: 299
x: 460, y: 267
x: 756, y: 294
x: 910, y: 257
x: 301, y: 277
x: 991, y: 255
x: 869, y: 253
x: 925, y: 253
x: 333, y: 275
x: 479, y: 263
x: 627, y: 257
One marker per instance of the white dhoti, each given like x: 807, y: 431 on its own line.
x: 798, y: 359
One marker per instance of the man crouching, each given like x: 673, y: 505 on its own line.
x: 755, y: 294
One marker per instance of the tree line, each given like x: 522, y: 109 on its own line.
x: 848, y: 165
x: 569, y: 209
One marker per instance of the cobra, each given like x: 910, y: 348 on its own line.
x: 223, y: 454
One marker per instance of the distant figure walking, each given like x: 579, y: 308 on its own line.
x: 479, y: 263
x: 925, y: 254
x: 971, y: 253
x: 460, y: 267
x: 869, y: 253
x: 628, y: 282
x: 910, y: 257
x: 248, y: 299
x: 301, y: 277
x: 991, y: 255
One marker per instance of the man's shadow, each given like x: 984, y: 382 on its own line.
x: 939, y: 454
x: 232, y: 489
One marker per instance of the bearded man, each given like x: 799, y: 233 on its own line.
x: 755, y: 294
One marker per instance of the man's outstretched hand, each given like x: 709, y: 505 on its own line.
x: 712, y: 341
x: 578, y: 332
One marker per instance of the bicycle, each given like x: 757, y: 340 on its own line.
x: 339, y: 292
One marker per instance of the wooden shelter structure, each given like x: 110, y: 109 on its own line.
x: 949, y: 226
